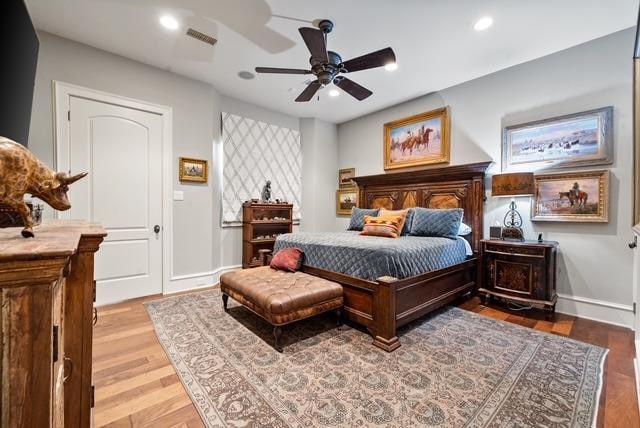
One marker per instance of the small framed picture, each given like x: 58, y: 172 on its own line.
x: 193, y: 170
x: 345, y: 200
x: 571, y: 197
x: 574, y: 140
x: 345, y: 177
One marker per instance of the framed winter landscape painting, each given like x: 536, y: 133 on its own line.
x: 578, y: 139
x: 418, y: 140
x: 575, y: 197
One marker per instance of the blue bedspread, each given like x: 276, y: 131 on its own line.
x: 370, y: 257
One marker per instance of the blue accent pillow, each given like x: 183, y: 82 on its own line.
x: 433, y: 222
x: 357, y: 217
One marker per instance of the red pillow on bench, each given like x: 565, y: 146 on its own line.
x: 288, y: 259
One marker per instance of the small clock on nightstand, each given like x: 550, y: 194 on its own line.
x: 523, y: 272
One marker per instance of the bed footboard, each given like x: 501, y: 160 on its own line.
x: 389, y: 303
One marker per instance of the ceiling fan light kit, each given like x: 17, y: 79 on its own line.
x: 328, y: 66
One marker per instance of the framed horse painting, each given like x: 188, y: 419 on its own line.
x: 575, y: 196
x: 418, y: 140
x: 573, y: 140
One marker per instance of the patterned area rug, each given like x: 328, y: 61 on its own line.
x: 454, y: 368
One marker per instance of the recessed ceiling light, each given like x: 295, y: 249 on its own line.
x: 483, y: 23
x: 169, y: 22
x: 391, y: 66
x: 246, y: 75
x: 334, y: 92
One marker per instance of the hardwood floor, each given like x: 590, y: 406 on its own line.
x: 137, y: 386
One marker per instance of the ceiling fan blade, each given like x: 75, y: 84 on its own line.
x: 352, y: 88
x: 309, y: 91
x: 370, y: 60
x: 314, y: 39
x: 282, y: 70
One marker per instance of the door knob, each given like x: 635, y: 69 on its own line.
x: 633, y: 244
x: 156, y: 228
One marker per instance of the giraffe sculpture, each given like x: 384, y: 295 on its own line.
x: 21, y: 172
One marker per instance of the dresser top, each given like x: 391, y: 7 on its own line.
x: 526, y: 243
x: 53, y: 239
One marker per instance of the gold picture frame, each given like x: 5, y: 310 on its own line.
x: 193, y: 170
x: 345, y: 177
x: 571, y: 197
x: 346, y: 199
x: 407, y: 145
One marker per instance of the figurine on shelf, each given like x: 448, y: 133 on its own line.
x: 21, y: 172
x: 266, y: 192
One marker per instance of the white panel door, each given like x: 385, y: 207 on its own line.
x: 121, y: 148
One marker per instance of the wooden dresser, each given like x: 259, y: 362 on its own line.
x: 261, y: 224
x: 523, y: 272
x: 46, y: 299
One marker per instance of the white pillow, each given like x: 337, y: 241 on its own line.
x: 464, y: 230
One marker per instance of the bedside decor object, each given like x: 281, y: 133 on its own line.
x: 418, y: 140
x: 495, y: 232
x: 512, y: 185
x: 345, y: 200
x: 262, y: 223
x: 578, y: 139
x: 574, y: 197
x: 266, y: 192
x: 345, y: 178
x: 24, y: 173
x: 523, y: 272
x: 193, y: 170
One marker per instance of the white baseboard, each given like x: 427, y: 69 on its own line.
x: 596, y: 310
x: 194, y: 281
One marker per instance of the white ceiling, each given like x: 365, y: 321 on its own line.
x: 434, y: 40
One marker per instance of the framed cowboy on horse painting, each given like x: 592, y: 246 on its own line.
x: 418, y: 140
x: 576, y: 197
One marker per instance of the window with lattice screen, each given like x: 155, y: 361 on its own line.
x: 254, y: 152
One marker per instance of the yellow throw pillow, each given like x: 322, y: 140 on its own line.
x: 385, y: 226
x: 402, y: 213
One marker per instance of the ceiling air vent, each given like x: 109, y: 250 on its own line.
x: 201, y: 36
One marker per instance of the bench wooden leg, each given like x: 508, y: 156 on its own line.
x: 225, y: 300
x: 277, y: 332
x: 338, y: 317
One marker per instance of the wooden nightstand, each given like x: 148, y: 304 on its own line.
x: 524, y: 272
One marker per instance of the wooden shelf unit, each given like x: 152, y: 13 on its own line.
x: 258, y: 220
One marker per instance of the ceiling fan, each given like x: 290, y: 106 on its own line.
x: 327, y: 65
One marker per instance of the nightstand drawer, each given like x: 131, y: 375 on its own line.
x: 513, y: 275
x: 515, y: 250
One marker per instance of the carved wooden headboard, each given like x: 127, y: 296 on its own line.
x: 459, y: 186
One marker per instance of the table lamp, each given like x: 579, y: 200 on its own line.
x: 512, y: 185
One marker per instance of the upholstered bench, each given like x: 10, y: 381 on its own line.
x: 281, y: 297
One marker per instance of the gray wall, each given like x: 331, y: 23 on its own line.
x: 320, y: 174
x: 200, y: 245
x: 595, y: 261
x: 231, y: 250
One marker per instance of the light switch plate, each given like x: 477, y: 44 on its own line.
x: 178, y: 195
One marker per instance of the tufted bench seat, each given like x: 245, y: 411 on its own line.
x: 281, y: 297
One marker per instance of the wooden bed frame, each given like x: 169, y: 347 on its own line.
x: 388, y: 303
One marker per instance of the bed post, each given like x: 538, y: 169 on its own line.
x: 385, y: 314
